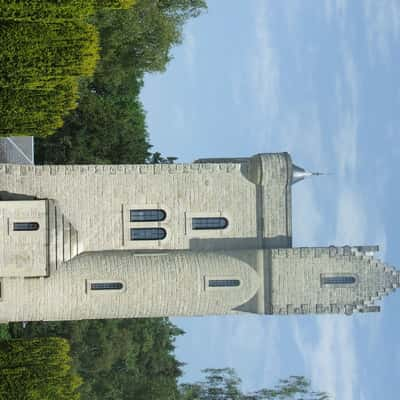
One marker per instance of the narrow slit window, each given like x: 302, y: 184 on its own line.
x: 147, y: 215
x: 209, y: 223
x: 106, y: 286
x: 26, y: 226
x: 340, y: 280
x: 148, y: 233
x: 223, y: 283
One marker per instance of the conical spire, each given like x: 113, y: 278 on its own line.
x: 299, y: 174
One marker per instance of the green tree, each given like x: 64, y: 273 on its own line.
x: 37, y: 369
x: 40, y: 55
x: 224, y: 384
x: 142, y: 36
x: 40, y: 63
x: 109, y: 124
x: 102, y: 130
x: 50, y: 10
x: 46, y: 47
x: 39, y: 67
x: 157, y: 158
x: 118, y: 359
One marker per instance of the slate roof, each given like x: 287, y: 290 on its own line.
x: 17, y: 150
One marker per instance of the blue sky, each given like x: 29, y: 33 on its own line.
x: 319, y: 79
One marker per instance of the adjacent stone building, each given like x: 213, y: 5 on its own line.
x: 212, y: 237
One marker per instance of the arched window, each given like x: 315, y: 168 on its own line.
x: 26, y: 226
x: 106, y: 286
x: 148, y: 233
x: 338, y: 280
x: 209, y: 223
x: 224, y: 282
x: 147, y: 215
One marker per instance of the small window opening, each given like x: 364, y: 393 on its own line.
x: 224, y: 282
x: 209, y: 223
x: 148, y: 233
x: 26, y: 226
x: 147, y: 215
x: 106, y: 286
x: 338, y: 280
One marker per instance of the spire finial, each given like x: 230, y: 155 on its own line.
x: 300, y: 173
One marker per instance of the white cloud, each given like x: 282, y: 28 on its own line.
x: 350, y: 77
x: 381, y: 240
x: 246, y: 341
x: 256, y: 335
x: 178, y: 117
x: 292, y: 11
x: 189, y: 49
x: 272, y: 359
x: 347, y: 95
x: 236, y: 87
x: 331, y: 360
x: 328, y: 10
x: 265, y: 72
x: 336, y: 9
x: 307, y: 218
x: 329, y: 353
x: 382, y: 25
x: 351, y: 222
x: 300, y: 133
x: 341, y: 6
x: 345, y: 142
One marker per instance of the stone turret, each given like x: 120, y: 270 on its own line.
x: 179, y: 283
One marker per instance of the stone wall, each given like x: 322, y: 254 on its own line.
x: 167, y: 284
x: 296, y: 280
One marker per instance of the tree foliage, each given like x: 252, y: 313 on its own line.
x: 109, y: 124
x: 45, y: 47
x: 33, y: 369
x: 44, y: 54
x: 50, y: 10
x: 39, y: 67
x: 118, y: 359
x: 224, y: 384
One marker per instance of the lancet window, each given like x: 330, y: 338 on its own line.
x: 224, y: 282
x: 26, y: 226
x: 150, y: 215
x: 341, y: 280
x: 148, y: 233
x: 106, y: 286
x: 209, y: 223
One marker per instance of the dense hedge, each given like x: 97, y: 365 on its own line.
x: 45, y: 47
x: 40, y: 55
x: 36, y: 112
x: 40, y: 64
x: 50, y: 10
x: 118, y: 359
x: 33, y: 369
x: 109, y: 126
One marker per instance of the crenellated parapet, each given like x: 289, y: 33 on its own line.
x: 327, y: 280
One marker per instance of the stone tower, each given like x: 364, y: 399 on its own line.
x: 212, y: 237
